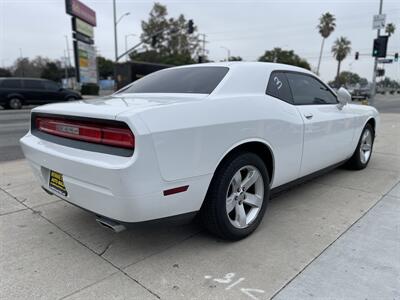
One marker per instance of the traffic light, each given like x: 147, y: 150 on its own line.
x: 190, y: 26
x: 380, y: 46
x: 357, y: 54
x: 380, y: 72
x: 396, y: 56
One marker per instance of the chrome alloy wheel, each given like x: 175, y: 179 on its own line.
x: 366, y: 146
x: 244, y: 196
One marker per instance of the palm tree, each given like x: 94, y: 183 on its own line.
x: 390, y: 28
x: 340, y: 49
x: 325, y: 27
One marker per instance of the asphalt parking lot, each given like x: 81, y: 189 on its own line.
x: 334, y: 237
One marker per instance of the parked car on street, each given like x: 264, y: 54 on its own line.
x: 15, y: 92
x: 215, y: 139
x: 361, y: 93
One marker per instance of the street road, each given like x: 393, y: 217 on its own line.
x: 14, y: 124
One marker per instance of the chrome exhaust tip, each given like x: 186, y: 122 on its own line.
x: 110, y: 224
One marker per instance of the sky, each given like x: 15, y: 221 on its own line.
x: 246, y: 28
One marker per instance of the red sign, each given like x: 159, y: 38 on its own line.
x: 78, y: 9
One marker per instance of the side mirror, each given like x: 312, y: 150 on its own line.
x: 344, y: 97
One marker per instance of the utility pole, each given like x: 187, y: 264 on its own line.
x: 373, y: 91
x: 228, y: 51
x: 115, y: 31
x: 66, y: 69
x: 203, y: 42
x: 69, y: 61
x: 68, y: 54
x: 22, y: 62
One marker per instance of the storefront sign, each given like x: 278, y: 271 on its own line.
x: 76, y: 8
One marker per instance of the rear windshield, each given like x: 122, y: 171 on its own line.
x: 194, y: 80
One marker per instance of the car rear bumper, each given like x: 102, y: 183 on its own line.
x: 126, y: 189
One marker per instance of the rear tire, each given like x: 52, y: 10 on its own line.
x: 14, y: 103
x: 363, y: 152
x: 237, y: 197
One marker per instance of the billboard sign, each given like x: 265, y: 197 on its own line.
x: 76, y: 8
x: 86, y: 60
x: 83, y: 38
x: 82, y: 27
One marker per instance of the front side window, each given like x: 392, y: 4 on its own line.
x: 307, y: 90
x: 193, y: 80
x: 278, y: 87
x: 51, y: 86
x: 33, y: 84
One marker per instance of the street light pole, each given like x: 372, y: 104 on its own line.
x: 115, y: 31
x: 373, y: 91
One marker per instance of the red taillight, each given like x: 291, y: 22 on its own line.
x: 92, y: 132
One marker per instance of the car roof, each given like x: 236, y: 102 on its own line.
x: 246, y: 64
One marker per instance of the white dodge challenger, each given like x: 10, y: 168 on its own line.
x: 214, y: 139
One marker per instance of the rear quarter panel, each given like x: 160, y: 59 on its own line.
x: 192, y: 138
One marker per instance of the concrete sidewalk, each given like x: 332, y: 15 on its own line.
x: 364, y: 263
x: 334, y: 237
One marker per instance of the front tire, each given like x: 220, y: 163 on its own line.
x: 363, y: 152
x: 237, y: 197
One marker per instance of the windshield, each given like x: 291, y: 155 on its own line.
x: 194, y: 80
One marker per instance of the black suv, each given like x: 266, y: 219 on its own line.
x: 15, y: 92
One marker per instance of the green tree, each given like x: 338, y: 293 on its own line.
x: 349, y: 78
x: 52, y: 71
x: 325, y: 27
x: 390, y: 28
x: 173, y: 46
x: 105, y: 67
x: 24, y: 67
x: 5, y: 72
x: 285, y: 57
x: 235, y: 58
x: 363, y: 81
x: 340, y: 49
x: 388, y: 83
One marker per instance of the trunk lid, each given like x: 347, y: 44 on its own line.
x: 111, y: 106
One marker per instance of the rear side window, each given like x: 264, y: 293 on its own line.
x: 307, y: 90
x: 11, y: 83
x: 33, y: 84
x: 278, y: 87
x: 194, y: 80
